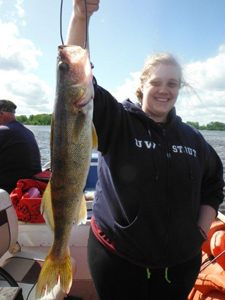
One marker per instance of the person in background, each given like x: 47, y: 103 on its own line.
x: 19, y: 152
x: 159, y: 186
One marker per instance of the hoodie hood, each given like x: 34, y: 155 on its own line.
x: 135, y: 108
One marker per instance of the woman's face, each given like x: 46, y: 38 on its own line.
x: 160, y: 91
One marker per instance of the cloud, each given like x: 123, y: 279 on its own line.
x: 13, y: 11
x: 16, y: 53
x: 204, y: 101
x: 18, y: 82
x: 31, y: 94
x: 19, y: 8
x: 128, y: 89
x: 209, y: 74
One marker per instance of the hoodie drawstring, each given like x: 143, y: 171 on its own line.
x: 148, y: 273
x: 166, y: 274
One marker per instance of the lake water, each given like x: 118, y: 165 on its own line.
x: 42, y: 134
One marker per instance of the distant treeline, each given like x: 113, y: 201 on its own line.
x: 210, y: 126
x: 42, y: 119
x: 45, y: 119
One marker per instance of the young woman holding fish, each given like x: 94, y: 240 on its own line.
x: 159, y: 188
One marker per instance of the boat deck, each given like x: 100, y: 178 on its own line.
x: 37, y: 238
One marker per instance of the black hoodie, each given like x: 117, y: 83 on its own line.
x: 152, y: 179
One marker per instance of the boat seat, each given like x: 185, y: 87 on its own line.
x: 22, y: 268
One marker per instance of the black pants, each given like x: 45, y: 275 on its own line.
x: 117, y: 279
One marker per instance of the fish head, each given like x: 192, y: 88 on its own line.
x: 75, y: 74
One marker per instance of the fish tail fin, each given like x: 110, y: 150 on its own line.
x: 94, y: 137
x: 55, y: 270
x: 46, y: 207
x: 81, y: 212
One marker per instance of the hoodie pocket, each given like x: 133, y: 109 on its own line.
x: 144, y: 238
x: 185, y: 239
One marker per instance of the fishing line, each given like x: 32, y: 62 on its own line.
x: 212, y: 261
x: 61, y: 8
x: 86, y: 24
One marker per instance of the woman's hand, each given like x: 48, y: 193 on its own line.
x: 79, y: 8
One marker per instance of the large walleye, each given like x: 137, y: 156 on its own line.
x: 72, y: 138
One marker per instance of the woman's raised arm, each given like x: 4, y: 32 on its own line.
x: 77, y: 28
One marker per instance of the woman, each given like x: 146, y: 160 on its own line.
x: 159, y: 188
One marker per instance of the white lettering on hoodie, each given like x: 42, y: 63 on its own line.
x: 176, y: 148
x: 146, y: 144
x: 181, y: 149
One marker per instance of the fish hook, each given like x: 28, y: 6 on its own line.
x: 86, y: 23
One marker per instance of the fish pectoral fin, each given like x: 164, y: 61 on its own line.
x: 46, y: 207
x: 81, y: 212
x: 55, y: 270
x: 94, y: 137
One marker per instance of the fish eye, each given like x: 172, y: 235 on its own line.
x: 63, y: 66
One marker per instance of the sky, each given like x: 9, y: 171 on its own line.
x: 122, y: 34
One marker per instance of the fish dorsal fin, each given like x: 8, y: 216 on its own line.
x: 81, y: 212
x: 94, y: 137
x: 46, y: 207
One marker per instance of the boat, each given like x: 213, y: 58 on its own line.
x: 33, y: 243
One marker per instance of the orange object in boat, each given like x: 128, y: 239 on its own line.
x: 214, y: 295
x: 197, y: 296
x: 191, y: 295
x: 216, y: 225
x: 217, y: 245
x: 207, y: 283
x: 209, y: 265
x: 194, y: 294
x: 210, y: 284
